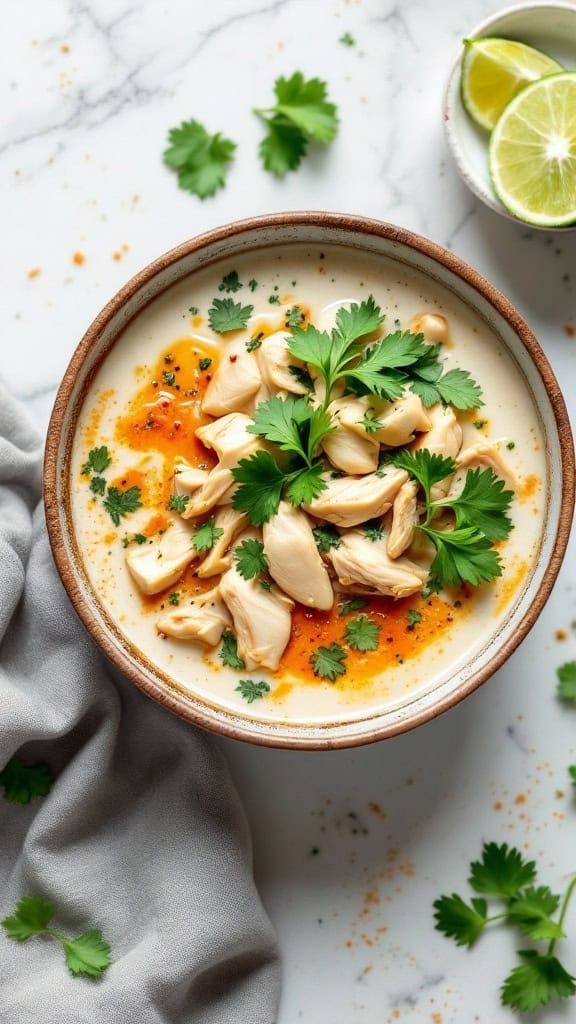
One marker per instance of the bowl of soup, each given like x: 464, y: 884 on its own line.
x: 309, y: 480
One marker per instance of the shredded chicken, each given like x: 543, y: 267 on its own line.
x: 235, y: 380
x: 275, y: 361
x: 160, y: 562
x: 204, y: 619
x: 229, y: 438
x: 444, y: 438
x: 347, y: 450
x: 262, y: 619
x: 361, y: 560
x: 204, y: 488
x: 350, y: 500
x: 404, y: 519
x: 395, y: 423
x: 293, y: 559
x: 486, y: 454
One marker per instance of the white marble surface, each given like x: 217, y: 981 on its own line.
x: 80, y: 159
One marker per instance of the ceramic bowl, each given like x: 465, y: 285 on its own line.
x: 547, y: 27
x: 406, y: 253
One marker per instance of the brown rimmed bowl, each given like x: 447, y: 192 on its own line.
x: 359, y: 235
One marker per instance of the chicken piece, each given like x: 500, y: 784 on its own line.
x: 204, y: 488
x: 160, y: 562
x: 235, y: 381
x: 349, y: 450
x: 274, y: 361
x: 293, y: 559
x: 205, y: 619
x: 433, y: 326
x: 361, y: 560
x: 486, y: 454
x: 404, y: 519
x: 399, y: 420
x: 262, y: 619
x: 350, y: 500
x: 219, y: 558
x: 229, y: 438
x: 443, y: 438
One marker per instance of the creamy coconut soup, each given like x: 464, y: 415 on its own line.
x: 306, y: 485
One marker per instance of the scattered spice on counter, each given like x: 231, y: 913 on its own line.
x: 35, y: 272
x: 561, y: 634
x: 570, y: 330
x: 78, y: 258
x: 64, y: 48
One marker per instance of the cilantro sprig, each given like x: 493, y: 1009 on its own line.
x: 87, y: 955
x: 200, y: 159
x: 206, y: 535
x: 225, y: 315
x: 229, y: 651
x: 252, y: 690
x: 566, y: 689
x: 250, y: 558
x: 302, y: 114
x: 22, y: 782
x: 117, y: 503
x: 464, y: 554
x: 503, y: 874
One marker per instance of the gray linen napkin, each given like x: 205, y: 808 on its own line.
x: 142, y: 834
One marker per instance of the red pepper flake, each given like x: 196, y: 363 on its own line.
x: 233, y: 358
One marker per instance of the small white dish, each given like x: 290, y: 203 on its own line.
x: 547, y: 27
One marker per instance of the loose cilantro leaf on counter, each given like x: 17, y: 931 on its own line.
x: 250, y: 558
x: 362, y: 634
x: 347, y: 40
x: 302, y: 113
x: 23, y: 782
x: 205, y: 364
x: 353, y: 605
x: 230, y: 282
x: 88, y: 955
x: 572, y: 773
x: 535, y: 982
x: 326, y: 537
x: 501, y: 871
x: 206, y: 535
x: 530, y: 910
x: 566, y: 689
x: 226, y: 315
x: 229, y: 651
x: 328, y: 662
x: 200, y: 159
x: 98, y: 485
x: 178, y: 503
x: 252, y: 690
x: 458, y: 920
x: 98, y: 460
x: 120, y: 503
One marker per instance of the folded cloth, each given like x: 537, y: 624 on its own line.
x: 142, y: 834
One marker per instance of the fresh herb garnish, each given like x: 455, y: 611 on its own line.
x: 226, y: 315
x: 374, y: 531
x: 23, y: 782
x: 347, y: 40
x: 572, y: 773
x: 252, y: 284
x: 353, y: 605
x: 302, y: 113
x: 89, y: 954
x: 294, y: 317
x: 252, y: 690
x: 169, y: 378
x: 414, y: 617
x: 178, y: 503
x: 98, y: 485
x: 207, y: 535
x: 205, y: 363
x: 230, y: 282
x: 174, y: 598
x: 98, y: 460
x: 253, y: 344
x: 302, y: 376
x: 200, y: 159
x: 328, y: 662
x: 274, y: 300
x: 503, y: 874
x: 250, y: 558
x: 193, y: 310
x: 362, y: 633
x: 326, y: 537
x: 566, y: 689
x: 120, y: 503
x: 228, y: 652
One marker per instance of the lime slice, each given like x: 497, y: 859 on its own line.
x: 494, y: 70
x: 532, y: 155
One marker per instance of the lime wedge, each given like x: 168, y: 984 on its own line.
x: 494, y: 70
x: 532, y: 155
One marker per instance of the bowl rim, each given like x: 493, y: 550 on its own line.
x: 218, y: 720
x: 476, y: 186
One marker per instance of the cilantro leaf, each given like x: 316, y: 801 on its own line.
x: 414, y: 617
x: 174, y: 598
x: 228, y: 652
x: 535, y: 982
x: 121, y: 503
x: 199, y: 158
x: 206, y: 536
x: 433, y: 586
x: 32, y: 916
x: 459, y: 920
x: 427, y: 392
x: 326, y: 537
x: 357, y: 321
x: 305, y: 104
x: 292, y: 424
x: 463, y: 556
x: 253, y: 344
x: 98, y: 485
x: 252, y: 690
x: 22, y: 782
x: 302, y: 376
x: 374, y: 530
x: 98, y: 460
x: 347, y: 40
x: 482, y: 503
x: 283, y: 148
x: 250, y: 558
x: 353, y: 605
x: 306, y: 485
x: 226, y: 315
x: 169, y: 378
x: 178, y: 503
x: 566, y: 689
x: 294, y: 317
x: 312, y: 346
x: 261, y: 482
x: 502, y: 871
x: 530, y: 910
x: 427, y: 468
x: 230, y: 282
x: 205, y: 363
x: 457, y: 388
x: 89, y: 954
x: 328, y: 662
x: 572, y: 773
x: 362, y: 634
